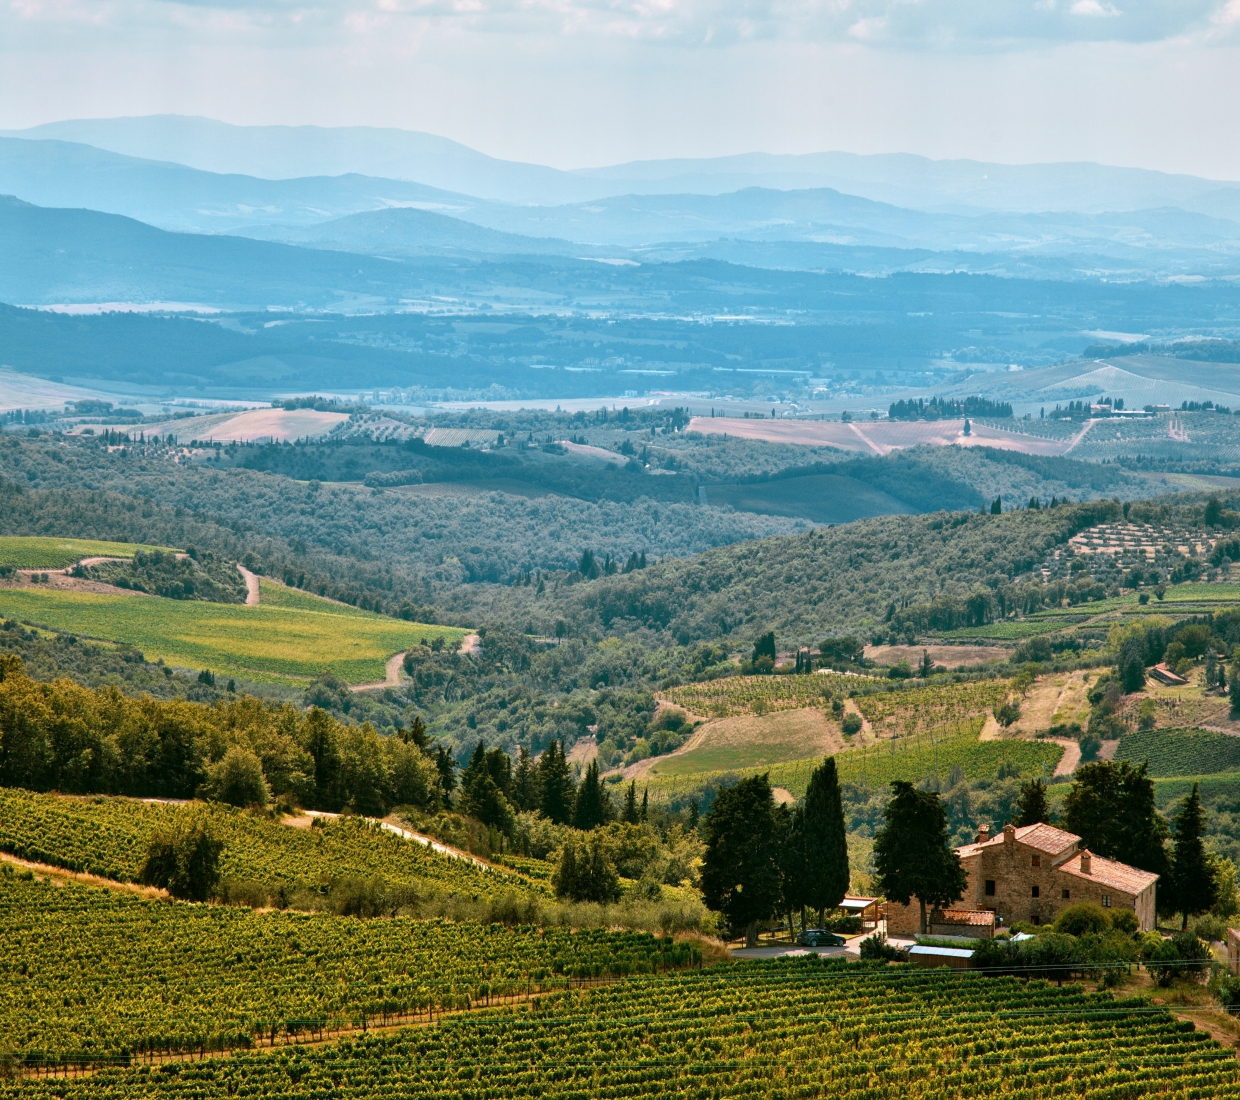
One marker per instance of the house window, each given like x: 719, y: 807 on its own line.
x: 1037, y: 891
x: 1067, y: 894
x: 1037, y: 861
x: 990, y: 888
x: 1106, y: 901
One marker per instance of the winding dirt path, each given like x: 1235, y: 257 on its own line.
x: 392, y: 672
x: 251, y: 586
x: 407, y: 834
x: 1071, y: 756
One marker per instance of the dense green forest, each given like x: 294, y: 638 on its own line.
x: 515, y: 562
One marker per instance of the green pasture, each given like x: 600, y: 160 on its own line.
x: 23, y: 552
x: 289, y: 636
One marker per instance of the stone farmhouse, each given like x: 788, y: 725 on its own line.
x: 1030, y: 874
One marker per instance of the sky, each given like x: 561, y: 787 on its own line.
x: 577, y: 83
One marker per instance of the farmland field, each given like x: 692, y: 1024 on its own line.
x: 778, y: 1028
x: 735, y: 695
x: 914, y: 758
x: 749, y: 741
x: 37, y: 552
x: 289, y: 636
x: 169, y: 978
x: 1177, y: 752
x: 108, y: 837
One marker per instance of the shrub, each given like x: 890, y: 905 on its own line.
x: 851, y: 724
x: 237, y: 780
x: 877, y: 947
x: 585, y: 873
x: 1182, y: 956
x: 184, y: 860
x: 1007, y: 714
x: 1210, y: 928
x: 1077, y: 920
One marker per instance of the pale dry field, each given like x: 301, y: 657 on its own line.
x: 278, y: 425
x: 949, y: 656
x: 880, y: 437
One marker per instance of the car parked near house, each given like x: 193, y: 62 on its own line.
x: 819, y: 937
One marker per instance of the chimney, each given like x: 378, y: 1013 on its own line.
x: 1086, y: 862
x: 1009, y: 833
x: 983, y: 834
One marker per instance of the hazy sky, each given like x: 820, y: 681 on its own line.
x: 582, y: 82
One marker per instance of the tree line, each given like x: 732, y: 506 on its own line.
x: 65, y: 737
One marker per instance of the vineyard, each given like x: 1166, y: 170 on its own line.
x: 94, y: 975
x: 938, y: 707
x: 802, y: 1028
x: 288, y: 636
x: 736, y: 695
x: 916, y: 758
x: 1175, y: 752
x: 109, y: 837
x: 50, y: 553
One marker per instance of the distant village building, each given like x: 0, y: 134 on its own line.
x: 1032, y: 874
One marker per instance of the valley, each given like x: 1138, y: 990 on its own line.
x: 746, y: 626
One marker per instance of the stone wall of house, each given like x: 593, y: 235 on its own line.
x: 1016, y: 870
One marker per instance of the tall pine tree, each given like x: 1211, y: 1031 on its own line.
x: 1111, y: 808
x: 526, y: 793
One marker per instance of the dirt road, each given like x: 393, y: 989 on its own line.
x: 392, y: 679
x: 251, y: 586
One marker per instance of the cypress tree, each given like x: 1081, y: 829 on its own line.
x: 556, y: 784
x: 740, y: 872
x: 823, y: 842
x: 525, y: 791
x: 630, y: 816
x: 593, y: 806
x: 1192, y: 877
x: 1031, y: 805
x: 646, y: 804
x: 912, y: 853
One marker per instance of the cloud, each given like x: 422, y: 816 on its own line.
x: 930, y: 25
x: 1093, y: 8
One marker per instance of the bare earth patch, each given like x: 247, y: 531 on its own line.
x: 950, y: 656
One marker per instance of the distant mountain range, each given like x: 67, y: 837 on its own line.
x: 288, y: 152
x: 810, y: 228
x: 172, y: 196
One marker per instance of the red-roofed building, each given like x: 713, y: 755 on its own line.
x: 1031, y: 874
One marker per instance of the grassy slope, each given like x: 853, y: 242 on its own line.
x: 53, y: 553
x: 290, y: 635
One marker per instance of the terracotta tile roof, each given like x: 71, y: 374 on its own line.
x: 1046, y: 838
x: 1106, y: 872
x: 1041, y: 837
